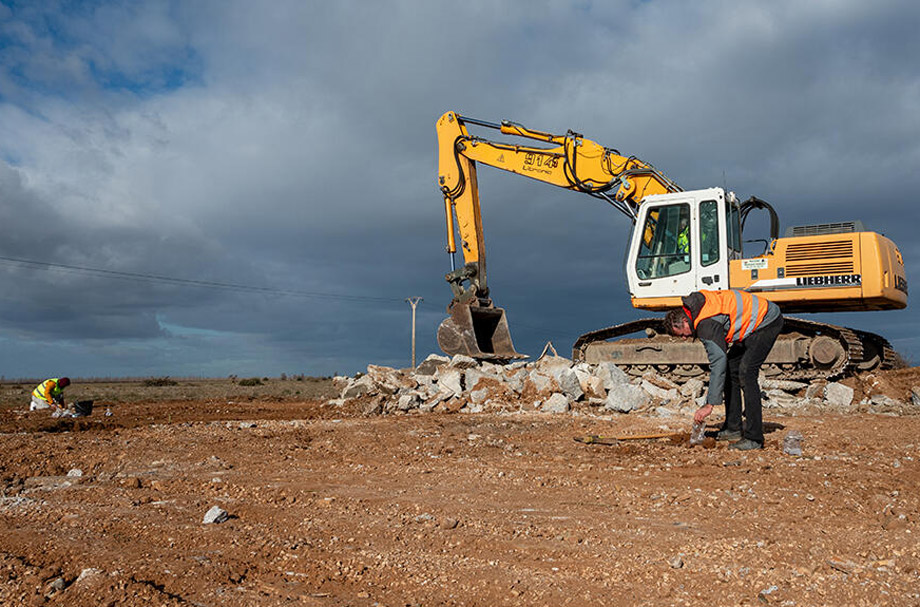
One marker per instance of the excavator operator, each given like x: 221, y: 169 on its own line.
x: 738, y: 330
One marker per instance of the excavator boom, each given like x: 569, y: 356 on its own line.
x: 476, y: 327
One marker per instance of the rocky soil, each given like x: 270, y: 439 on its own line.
x: 375, y: 499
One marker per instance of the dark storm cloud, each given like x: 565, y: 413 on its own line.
x: 294, y: 148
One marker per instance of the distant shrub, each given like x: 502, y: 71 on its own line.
x: 156, y: 382
x: 250, y: 381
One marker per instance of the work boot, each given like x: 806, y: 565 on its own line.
x: 728, y: 435
x: 746, y: 444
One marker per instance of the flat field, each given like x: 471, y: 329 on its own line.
x: 329, y: 507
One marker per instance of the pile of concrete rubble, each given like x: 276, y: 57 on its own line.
x: 552, y: 384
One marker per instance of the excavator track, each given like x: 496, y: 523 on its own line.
x: 804, y: 351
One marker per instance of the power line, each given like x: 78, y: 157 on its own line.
x: 209, y: 284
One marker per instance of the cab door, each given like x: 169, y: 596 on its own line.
x: 712, y: 241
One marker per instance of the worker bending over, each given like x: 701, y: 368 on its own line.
x: 49, y: 394
x: 738, y: 330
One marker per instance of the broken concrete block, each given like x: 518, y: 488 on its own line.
x: 430, y: 365
x: 552, y: 365
x: 376, y: 371
x: 359, y: 387
x: 593, y: 387
x: 541, y: 382
x: 87, y: 574
x: 583, y: 367
x: 883, y: 400
x: 692, y: 388
x: 515, y: 380
x: 659, y: 381
x: 451, y: 379
x: 433, y: 400
x: 780, y: 398
x: 490, y: 368
x: 838, y: 395
x: 215, y: 516
x: 388, y: 380
x: 408, y: 401
x: 462, y: 361
x: 571, y: 387
x: 471, y: 377
x: 557, y: 403
x: 657, y: 392
x: 611, y: 375
x: 782, y: 384
x: 583, y: 372
x: 374, y: 406
x: 625, y: 398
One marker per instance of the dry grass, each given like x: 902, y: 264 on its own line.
x: 16, y: 395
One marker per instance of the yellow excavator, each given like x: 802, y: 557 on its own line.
x: 682, y: 241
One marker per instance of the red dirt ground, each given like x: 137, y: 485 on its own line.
x: 328, y: 507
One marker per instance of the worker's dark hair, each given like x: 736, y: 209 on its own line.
x: 63, y: 382
x: 674, y: 318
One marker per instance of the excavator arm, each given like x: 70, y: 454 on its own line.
x: 569, y: 161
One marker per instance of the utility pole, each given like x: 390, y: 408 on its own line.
x: 413, y: 301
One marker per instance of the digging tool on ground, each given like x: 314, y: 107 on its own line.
x: 594, y: 439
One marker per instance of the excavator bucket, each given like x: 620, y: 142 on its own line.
x: 479, y: 332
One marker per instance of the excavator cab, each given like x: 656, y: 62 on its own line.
x: 682, y: 242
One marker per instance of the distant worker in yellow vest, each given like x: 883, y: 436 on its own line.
x: 49, y: 394
x: 738, y: 330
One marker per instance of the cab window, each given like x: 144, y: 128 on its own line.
x: 709, y: 232
x: 733, y: 225
x: 665, y: 248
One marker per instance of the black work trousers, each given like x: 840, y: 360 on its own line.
x: 744, y: 361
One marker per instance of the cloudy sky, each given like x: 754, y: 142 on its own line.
x: 234, y: 187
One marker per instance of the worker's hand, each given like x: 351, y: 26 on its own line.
x: 702, y: 413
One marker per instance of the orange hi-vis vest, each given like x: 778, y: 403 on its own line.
x: 745, y: 312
